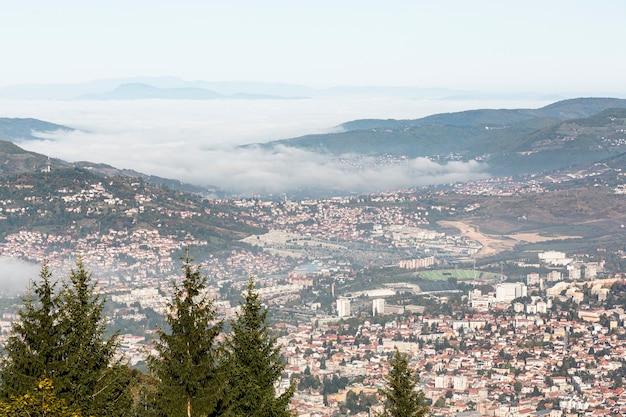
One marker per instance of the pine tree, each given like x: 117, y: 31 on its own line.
x: 255, y: 363
x: 400, y: 397
x: 187, y: 365
x: 60, y: 337
x: 89, y: 375
x: 33, y: 349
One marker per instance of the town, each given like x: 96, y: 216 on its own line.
x: 349, y: 280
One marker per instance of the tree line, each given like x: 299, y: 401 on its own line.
x: 58, y: 361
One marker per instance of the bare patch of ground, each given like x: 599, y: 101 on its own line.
x: 494, y: 244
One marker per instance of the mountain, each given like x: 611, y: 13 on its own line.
x: 139, y: 91
x: 15, y: 161
x: 562, y: 110
x: 233, y: 89
x: 155, y: 87
x: 48, y: 195
x: 76, y: 202
x: 110, y: 171
x: 511, y: 142
x: 17, y: 129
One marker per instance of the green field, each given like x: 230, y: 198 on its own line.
x: 459, y: 274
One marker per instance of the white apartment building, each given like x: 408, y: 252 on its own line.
x: 343, y: 307
x: 553, y: 257
x: 378, y: 307
x: 508, y: 291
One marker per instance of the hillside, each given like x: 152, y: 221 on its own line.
x: 76, y: 203
x: 561, y: 110
x: 577, y: 219
x: 577, y: 210
x: 15, y: 160
x: 18, y: 129
x: 511, y: 142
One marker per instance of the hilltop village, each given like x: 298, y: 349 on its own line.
x: 349, y: 280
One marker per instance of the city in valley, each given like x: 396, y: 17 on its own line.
x: 348, y: 280
x: 313, y: 209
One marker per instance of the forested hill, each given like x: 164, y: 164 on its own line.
x: 77, y: 202
x: 26, y: 129
x: 511, y: 142
x: 15, y: 160
x: 561, y: 110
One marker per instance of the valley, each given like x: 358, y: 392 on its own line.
x: 482, y: 281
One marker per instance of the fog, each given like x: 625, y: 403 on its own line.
x: 198, y: 141
x: 15, y: 276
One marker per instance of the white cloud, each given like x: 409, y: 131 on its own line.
x: 16, y: 275
x: 198, y: 142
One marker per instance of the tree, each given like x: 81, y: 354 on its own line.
x: 33, y: 349
x: 60, y: 337
x: 89, y: 374
x: 39, y: 402
x: 255, y: 363
x: 400, y: 397
x: 187, y: 366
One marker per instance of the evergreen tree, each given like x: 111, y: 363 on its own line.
x: 400, y: 397
x: 32, y: 351
x: 187, y: 365
x: 60, y: 338
x: 255, y: 363
x: 89, y: 375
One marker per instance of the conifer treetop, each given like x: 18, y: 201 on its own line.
x: 186, y: 365
x: 400, y: 397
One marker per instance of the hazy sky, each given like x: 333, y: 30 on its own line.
x: 551, y: 46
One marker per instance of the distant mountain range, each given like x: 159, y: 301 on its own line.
x: 511, y: 142
x: 171, y: 88
x: 176, y: 88
x: 138, y: 91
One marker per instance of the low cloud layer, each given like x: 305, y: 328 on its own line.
x: 15, y: 276
x: 285, y: 169
x: 198, y: 142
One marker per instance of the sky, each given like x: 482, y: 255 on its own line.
x: 555, y: 46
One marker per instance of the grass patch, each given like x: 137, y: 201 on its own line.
x: 459, y: 274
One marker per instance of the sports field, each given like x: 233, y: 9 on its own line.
x: 459, y: 274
